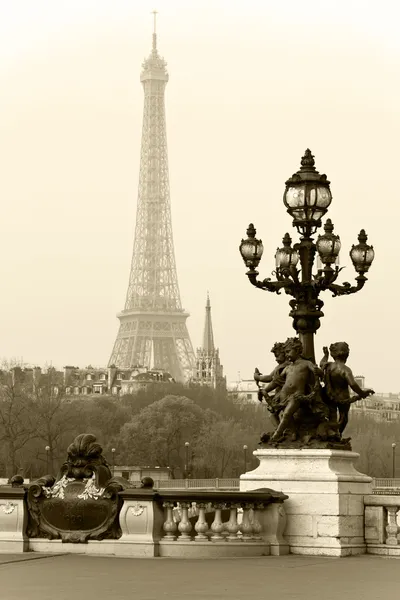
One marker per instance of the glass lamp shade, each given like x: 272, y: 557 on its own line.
x: 307, y: 196
x: 286, y: 257
x: 251, y: 249
x: 329, y: 244
x: 362, y: 255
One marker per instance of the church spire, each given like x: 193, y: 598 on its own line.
x: 208, y: 336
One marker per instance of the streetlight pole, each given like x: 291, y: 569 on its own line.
x: 47, y: 448
x: 187, y: 444
x: 307, y: 197
x: 394, y: 460
x: 113, y: 460
x: 245, y: 457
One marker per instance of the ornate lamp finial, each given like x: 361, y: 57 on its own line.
x: 307, y: 162
x: 328, y: 227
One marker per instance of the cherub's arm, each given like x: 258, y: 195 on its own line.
x: 316, y: 371
x: 354, y: 385
x: 278, y: 380
x: 263, y: 378
x: 325, y: 358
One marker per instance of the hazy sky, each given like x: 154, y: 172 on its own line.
x: 252, y: 85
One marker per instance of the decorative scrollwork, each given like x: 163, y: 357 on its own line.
x: 137, y: 509
x: 8, y: 507
x: 82, y: 503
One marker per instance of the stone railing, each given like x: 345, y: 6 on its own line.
x: 382, y: 532
x: 169, y: 523
x: 203, y: 484
x: 386, y: 486
x: 196, y: 524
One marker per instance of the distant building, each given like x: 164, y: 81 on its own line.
x: 136, y: 474
x: 243, y: 391
x: 111, y: 380
x: 208, y: 370
x: 85, y: 382
x: 381, y: 407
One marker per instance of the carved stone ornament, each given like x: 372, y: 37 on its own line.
x: 82, y: 502
x: 137, y: 509
x: 8, y: 507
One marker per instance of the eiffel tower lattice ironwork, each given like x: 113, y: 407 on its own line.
x: 153, y: 331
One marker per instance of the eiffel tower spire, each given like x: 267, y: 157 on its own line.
x: 153, y: 323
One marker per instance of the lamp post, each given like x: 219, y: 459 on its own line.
x: 47, y: 448
x: 394, y: 460
x: 187, y: 444
x: 307, y: 197
x: 113, y: 460
x: 245, y: 457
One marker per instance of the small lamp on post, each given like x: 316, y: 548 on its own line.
x: 187, y: 444
x: 245, y: 457
x: 251, y: 250
x: 47, y: 448
x: 394, y: 460
x: 113, y: 460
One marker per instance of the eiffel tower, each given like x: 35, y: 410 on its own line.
x: 153, y: 330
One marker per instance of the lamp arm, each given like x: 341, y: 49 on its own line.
x: 346, y: 288
x: 268, y: 285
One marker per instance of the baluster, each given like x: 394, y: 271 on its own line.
x: 169, y: 526
x: 391, y: 527
x: 201, y: 524
x: 217, y: 525
x: 246, y: 527
x: 257, y: 527
x: 232, y: 525
x: 185, y: 526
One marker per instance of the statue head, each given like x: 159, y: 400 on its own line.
x: 339, y: 350
x: 279, y: 350
x: 293, y: 348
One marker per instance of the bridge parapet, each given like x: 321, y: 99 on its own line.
x: 382, y: 531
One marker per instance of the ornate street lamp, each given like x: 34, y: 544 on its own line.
x: 394, y: 460
x: 307, y: 198
x: 251, y: 249
x: 113, y: 460
x: 47, y: 448
x: 187, y: 444
x: 245, y: 457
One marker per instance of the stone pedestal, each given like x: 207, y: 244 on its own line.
x: 325, y: 509
x: 12, y: 520
x: 141, y: 519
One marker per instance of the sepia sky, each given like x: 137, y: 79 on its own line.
x: 252, y: 85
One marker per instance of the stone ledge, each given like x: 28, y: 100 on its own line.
x: 383, y: 550
x: 207, y: 549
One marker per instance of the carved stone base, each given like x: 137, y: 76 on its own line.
x: 325, y: 509
x: 12, y: 521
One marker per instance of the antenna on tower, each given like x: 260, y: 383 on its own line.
x: 154, y: 13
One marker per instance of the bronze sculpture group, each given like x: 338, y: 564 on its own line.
x: 309, y: 405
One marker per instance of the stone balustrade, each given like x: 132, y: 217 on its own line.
x: 382, y: 531
x: 168, y: 523
x: 201, y: 524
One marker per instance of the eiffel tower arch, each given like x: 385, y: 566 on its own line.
x: 153, y: 331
